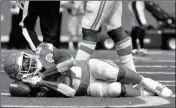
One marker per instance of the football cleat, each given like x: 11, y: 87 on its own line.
x: 163, y: 91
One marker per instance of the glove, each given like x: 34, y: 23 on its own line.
x: 64, y: 78
x: 33, y: 81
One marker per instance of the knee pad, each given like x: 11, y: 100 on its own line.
x: 117, y: 34
x: 19, y: 89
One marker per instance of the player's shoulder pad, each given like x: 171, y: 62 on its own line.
x: 44, y: 46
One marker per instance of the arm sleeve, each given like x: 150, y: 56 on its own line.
x: 49, y: 72
x: 60, y: 87
x: 140, y: 11
x: 61, y: 55
x: 64, y: 61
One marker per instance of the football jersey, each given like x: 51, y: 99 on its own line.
x: 50, y: 55
x: 85, y: 77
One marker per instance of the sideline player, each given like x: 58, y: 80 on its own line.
x: 75, y: 10
x: 139, y: 24
x: 48, y: 12
x: 95, y: 77
x: 108, y: 13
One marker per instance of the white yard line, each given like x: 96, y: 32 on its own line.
x: 166, y: 81
x: 5, y: 94
x: 171, y: 85
x: 154, y: 73
x: 148, y: 61
x: 166, y: 61
x: 155, y: 66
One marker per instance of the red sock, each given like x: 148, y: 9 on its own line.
x: 128, y: 76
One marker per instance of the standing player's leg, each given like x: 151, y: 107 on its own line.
x: 119, y: 36
x: 96, y: 13
x: 72, y: 26
x: 49, y: 25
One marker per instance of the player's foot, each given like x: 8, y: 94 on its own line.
x: 142, y: 52
x: 156, y: 87
x: 134, y: 51
x: 163, y: 91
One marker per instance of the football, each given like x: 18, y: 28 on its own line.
x: 19, y: 89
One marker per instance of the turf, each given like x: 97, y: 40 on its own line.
x: 158, y: 65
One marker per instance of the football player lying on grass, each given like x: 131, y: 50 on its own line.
x: 94, y: 77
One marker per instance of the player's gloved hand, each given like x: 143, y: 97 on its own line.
x: 33, y: 81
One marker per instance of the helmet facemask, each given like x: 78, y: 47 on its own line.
x: 29, y: 66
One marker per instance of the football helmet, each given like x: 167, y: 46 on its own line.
x: 22, y: 65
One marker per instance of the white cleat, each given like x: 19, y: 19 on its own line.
x: 156, y: 87
x: 163, y: 91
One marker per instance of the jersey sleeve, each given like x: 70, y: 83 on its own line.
x: 61, y: 55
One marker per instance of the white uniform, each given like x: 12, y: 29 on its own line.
x: 98, y: 78
x: 102, y: 12
x: 102, y: 78
x: 137, y: 9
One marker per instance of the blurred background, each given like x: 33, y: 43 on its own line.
x: 157, y: 36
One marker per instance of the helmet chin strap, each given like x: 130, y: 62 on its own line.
x: 30, y: 75
x: 39, y: 64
